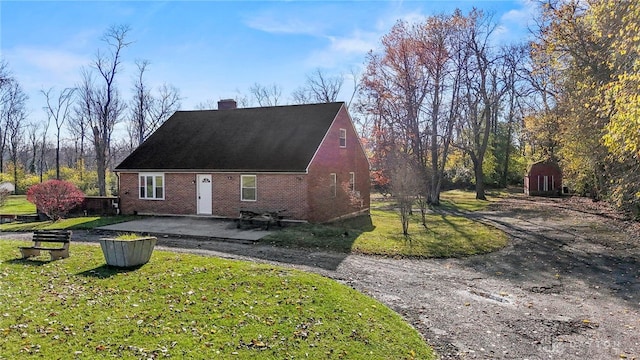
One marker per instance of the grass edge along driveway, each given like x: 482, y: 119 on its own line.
x: 189, y: 306
x: 447, y: 234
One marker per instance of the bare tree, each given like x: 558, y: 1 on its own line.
x: 242, y: 101
x: 440, y: 42
x: 266, y: 95
x: 148, y: 112
x: 208, y: 104
x: 513, y: 74
x: 14, y: 114
x: 355, y: 76
x: 42, y: 162
x: 105, y: 106
x: 79, y: 122
x: 407, y: 181
x: 59, y: 112
x: 319, y: 88
x: 482, y: 92
x: 140, y: 106
x: 34, y: 145
x: 5, y: 74
x: 3, y: 137
x: 301, y: 96
x: 5, y: 81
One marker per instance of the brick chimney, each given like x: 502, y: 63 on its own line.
x: 227, y: 104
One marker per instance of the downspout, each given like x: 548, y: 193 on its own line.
x: 117, y: 204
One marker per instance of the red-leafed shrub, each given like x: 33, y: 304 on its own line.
x: 55, y: 198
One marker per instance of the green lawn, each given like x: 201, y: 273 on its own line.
x: 188, y: 306
x: 18, y: 205
x: 445, y: 235
x: 466, y: 200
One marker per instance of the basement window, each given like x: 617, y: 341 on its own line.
x: 152, y: 186
x: 248, y: 188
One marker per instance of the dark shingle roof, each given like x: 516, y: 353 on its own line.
x: 279, y: 139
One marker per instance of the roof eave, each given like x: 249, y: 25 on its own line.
x: 223, y: 171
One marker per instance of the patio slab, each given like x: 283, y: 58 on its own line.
x: 189, y: 226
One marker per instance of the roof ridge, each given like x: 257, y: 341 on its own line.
x: 266, y: 107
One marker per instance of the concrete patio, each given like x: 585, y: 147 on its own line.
x: 202, y: 227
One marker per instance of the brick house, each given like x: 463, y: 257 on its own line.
x: 543, y: 178
x: 304, y: 159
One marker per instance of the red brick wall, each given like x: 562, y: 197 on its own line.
x: 179, y: 197
x: 331, y: 158
x: 274, y: 192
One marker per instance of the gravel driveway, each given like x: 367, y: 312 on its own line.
x: 566, y: 287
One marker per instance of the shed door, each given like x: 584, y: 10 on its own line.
x: 546, y: 183
x: 204, y: 194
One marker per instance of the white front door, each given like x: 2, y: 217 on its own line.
x: 204, y: 194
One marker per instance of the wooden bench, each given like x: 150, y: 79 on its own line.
x: 48, y: 236
x: 7, y: 218
x: 266, y: 218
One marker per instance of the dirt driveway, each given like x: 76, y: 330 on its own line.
x: 566, y: 287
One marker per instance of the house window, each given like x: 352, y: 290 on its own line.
x: 248, y: 188
x: 343, y: 138
x: 333, y: 183
x: 152, y: 186
x: 352, y: 181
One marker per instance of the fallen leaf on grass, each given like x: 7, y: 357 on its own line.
x: 258, y: 343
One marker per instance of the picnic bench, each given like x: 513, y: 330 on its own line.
x: 7, y: 218
x: 62, y: 237
x: 265, y: 217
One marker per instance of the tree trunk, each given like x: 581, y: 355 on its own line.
x: 58, y: 156
x: 82, y: 161
x: 434, y: 192
x: 101, y: 162
x: 507, y: 154
x: 405, y: 213
x: 15, y: 172
x: 102, y: 174
x: 479, y: 175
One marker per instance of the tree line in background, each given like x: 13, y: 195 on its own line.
x: 440, y: 104
x: 88, y: 112
x: 585, y: 72
x: 443, y: 99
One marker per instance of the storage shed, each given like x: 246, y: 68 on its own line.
x: 544, y: 178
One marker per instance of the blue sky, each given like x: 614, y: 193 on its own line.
x: 213, y: 49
